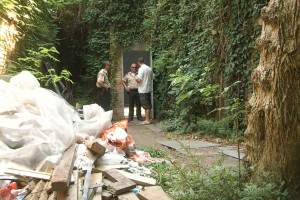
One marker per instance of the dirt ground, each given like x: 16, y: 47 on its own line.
x: 150, y: 135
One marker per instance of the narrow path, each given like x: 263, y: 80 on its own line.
x: 151, y: 135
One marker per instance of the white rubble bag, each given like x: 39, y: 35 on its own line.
x: 36, y: 123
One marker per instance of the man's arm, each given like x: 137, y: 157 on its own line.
x: 137, y: 79
x: 102, y: 84
x: 125, y: 85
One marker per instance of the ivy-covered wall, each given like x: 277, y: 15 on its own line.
x: 203, y: 51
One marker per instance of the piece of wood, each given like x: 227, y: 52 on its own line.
x: 28, y: 173
x: 45, y: 194
x: 30, y: 186
x: 106, y: 195
x: 72, y: 193
x: 53, y: 196
x: 46, y: 166
x: 103, y: 168
x: 121, y: 184
x: 79, y: 186
x: 61, y: 195
x: 96, y: 147
x: 61, y: 175
x: 37, y: 191
x: 140, y: 180
x: 153, y: 193
x: 128, y: 196
x: 96, y: 193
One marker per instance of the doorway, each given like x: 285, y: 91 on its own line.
x: 130, y: 57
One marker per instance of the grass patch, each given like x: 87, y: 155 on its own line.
x: 154, y: 152
x: 193, y: 181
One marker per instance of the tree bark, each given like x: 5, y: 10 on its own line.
x: 273, y: 136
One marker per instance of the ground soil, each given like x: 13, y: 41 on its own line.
x: 149, y: 135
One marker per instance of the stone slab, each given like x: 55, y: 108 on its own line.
x: 154, y: 128
x: 181, y: 144
x: 231, y: 152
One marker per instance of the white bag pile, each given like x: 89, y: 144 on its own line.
x: 36, y: 123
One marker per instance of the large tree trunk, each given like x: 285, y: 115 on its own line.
x: 273, y: 136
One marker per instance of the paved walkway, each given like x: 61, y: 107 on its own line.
x: 209, y: 152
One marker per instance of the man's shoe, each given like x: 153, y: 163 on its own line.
x: 129, y: 120
x: 140, y: 118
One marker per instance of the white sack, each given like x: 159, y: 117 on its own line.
x: 36, y: 123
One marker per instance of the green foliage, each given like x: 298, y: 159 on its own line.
x: 108, y: 25
x: 195, y: 181
x: 154, y: 152
x: 36, y: 38
x: 33, y: 62
x: 200, y: 46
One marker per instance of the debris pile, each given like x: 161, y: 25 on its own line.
x: 50, y: 151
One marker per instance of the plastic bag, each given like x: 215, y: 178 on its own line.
x: 117, y: 135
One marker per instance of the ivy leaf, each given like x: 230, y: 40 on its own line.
x: 182, y: 97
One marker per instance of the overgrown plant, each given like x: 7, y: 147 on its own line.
x: 36, y: 38
x: 195, y: 181
x: 205, y: 46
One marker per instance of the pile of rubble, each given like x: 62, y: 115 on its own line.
x: 49, y: 151
x: 77, y: 176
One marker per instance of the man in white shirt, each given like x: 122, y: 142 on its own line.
x: 144, y: 78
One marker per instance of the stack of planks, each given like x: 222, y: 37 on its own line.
x: 69, y: 181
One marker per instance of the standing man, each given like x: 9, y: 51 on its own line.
x: 144, y: 79
x: 104, y: 85
x: 131, y: 87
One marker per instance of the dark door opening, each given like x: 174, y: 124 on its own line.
x: 130, y: 57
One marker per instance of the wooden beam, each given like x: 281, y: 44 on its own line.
x: 61, y: 175
x: 106, y: 195
x: 140, y: 180
x: 37, y: 191
x: 72, y: 193
x: 28, y: 173
x: 44, y: 194
x: 95, y: 147
x: 120, y: 184
x: 128, y: 196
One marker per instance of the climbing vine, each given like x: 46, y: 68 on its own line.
x: 110, y: 25
x: 201, y: 50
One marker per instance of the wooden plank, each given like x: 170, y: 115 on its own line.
x: 153, y: 193
x: 106, y: 195
x: 46, y: 166
x: 61, y: 195
x: 37, y: 191
x: 79, y: 186
x: 96, y: 193
x: 95, y: 147
x: 128, y: 196
x: 28, y: 173
x: 121, y: 184
x: 140, y: 180
x: 44, y: 194
x: 72, y: 193
x: 103, y: 168
x: 53, y: 196
x: 30, y: 186
x: 61, y: 175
